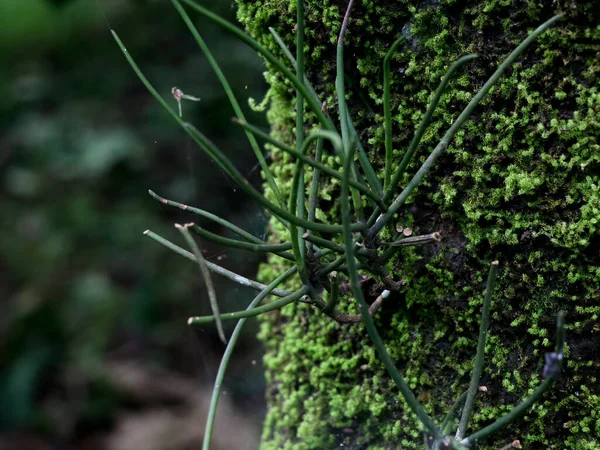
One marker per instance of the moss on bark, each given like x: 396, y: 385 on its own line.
x: 520, y: 183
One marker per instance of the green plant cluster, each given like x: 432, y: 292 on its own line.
x: 521, y: 176
x: 368, y: 204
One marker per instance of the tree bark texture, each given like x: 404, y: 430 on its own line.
x: 519, y: 183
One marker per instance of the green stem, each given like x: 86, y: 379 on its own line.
x: 517, y: 412
x: 447, y: 138
x: 230, y: 95
x: 212, y: 266
x: 226, y: 164
x: 319, y: 134
x: 237, y: 230
x: 333, y: 295
x: 370, y: 174
x: 480, y: 356
x: 424, y: 124
x: 277, y: 304
x: 332, y: 137
x: 297, y: 194
x: 311, y: 102
x: 384, y: 356
x: 445, y: 426
x: 332, y: 245
x: 526, y: 404
x: 214, y: 400
x: 387, y: 112
x: 253, y: 244
x: 314, y: 189
x: 278, y: 249
x: 212, y: 294
x: 335, y: 264
x: 387, y: 255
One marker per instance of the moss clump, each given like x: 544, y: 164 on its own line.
x: 519, y: 182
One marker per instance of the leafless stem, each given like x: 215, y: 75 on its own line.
x: 345, y: 22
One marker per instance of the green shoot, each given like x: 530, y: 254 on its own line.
x: 387, y: 112
x: 212, y: 295
x: 447, y: 138
x: 483, y: 330
x: 230, y: 95
x: 243, y: 281
x: 214, y: 400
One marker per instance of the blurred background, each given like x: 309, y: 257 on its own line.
x: 95, y: 352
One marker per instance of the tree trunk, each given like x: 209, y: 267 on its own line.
x: 519, y: 183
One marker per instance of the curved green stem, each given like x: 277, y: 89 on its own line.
x: 479, y: 358
x: 384, y: 356
x: 297, y: 194
x: 214, y: 399
x: 319, y: 134
x: 447, y: 138
x: 445, y: 425
x: 331, y: 136
x: 424, y: 124
x: 387, y: 112
x: 230, y: 95
x: 526, y: 404
x: 511, y: 416
x: 334, y: 295
x: 213, y: 267
x: 278, y: 249
x: 370, y: 174
x: 311, y: 102
x: 212, y: 294
x: 237, y: 230
x: 277, y: 304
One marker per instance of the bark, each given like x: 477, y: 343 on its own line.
x: 519, y: 183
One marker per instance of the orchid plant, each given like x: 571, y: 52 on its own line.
x: 368, y: 205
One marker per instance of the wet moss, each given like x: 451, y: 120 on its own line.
x: 520, y: 182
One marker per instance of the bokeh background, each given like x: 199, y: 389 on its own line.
x: 95, y: 352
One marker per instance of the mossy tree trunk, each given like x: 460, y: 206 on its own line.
x: 520, y: 182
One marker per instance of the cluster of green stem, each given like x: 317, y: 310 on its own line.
x: 317, y: 258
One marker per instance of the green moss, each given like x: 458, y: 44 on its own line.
x: 519, y: 182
